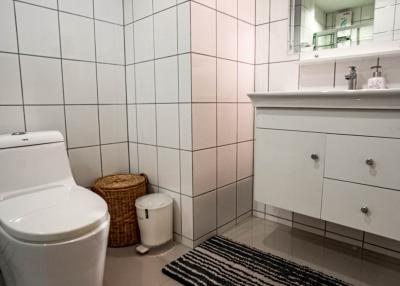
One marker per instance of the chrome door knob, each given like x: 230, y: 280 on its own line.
x: 370, y: 162
x: 365, y: 210
x: 315, y: 157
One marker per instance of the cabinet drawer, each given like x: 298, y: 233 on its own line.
x: 371, y: 209
x: 366, y: 160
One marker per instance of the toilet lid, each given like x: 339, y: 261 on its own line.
x: 53, y: 214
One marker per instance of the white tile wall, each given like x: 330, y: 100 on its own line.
x: 52, y: 79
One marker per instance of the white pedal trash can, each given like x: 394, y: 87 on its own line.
x: 154, y: 213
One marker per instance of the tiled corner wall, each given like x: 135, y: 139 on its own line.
x: 62, y: 67
x: 189, y: 67
x: 275, y: 70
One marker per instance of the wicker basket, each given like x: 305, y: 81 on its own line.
x: 120, y: 192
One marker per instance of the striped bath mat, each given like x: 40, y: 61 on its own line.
x: 220, y: 261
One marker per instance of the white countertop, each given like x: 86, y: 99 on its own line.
x: 329, y: 99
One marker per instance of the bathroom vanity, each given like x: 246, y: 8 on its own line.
x: 332, y: 155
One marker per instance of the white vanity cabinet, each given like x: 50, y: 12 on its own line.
x: 335, y: 159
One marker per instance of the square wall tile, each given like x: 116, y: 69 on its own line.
x: 167, y: 80
x: 317, y: 77
x: 132, y: 125
x: 262, y: 11
x: 245, y: 121
x: 226, y: 165
x: 146, y: 123
x: 142, y: 9
x: 113, y: 125
x: 247, y: 10
x: 133, y: 158
x: 226, y: 204
x: 80, y: 7
x: 129, y: 44
x: 41, y: 80
x: 226, y: 123
x: 169, y: 169
x: 204, y: 29
x: 245, y: 160
x: 344, y: 231
x: 244, y: 196
x: 37, y: 30
x: 184, y: 28
x: 384, y: 19
x: 145, y: 83
x: 111, y: 11
x: 283, y: 76
x: 187, y: 217
x: 148, y: 162
x: 82, y: 125
x: 279, y: 9
x: 10, y: 80
x: 77, y: 37
x: 42, y: 118
x: 229, y: 7
x: 168, y: 125
x: 204, y: 171
x: 246, y: 42
x: 391, y: 70
x: 109, y: 43
x: 45, y: 3
x: 204, y: 124
x: 209, y: 3
x: 204, y: 78
x: 185, y: 78
x: 227, y: 76
x: 144, y: 41
x: 7, y: 27
x: 227, y: 37
x: 186, y: 173
x: 115, y: 159
x: 85, y: 165
x: 163, y: 4
x: 130, y: 84
x: 261, y: 78
x: 278, y: 49
x: 262, y: 44
x: 245, y: 81
x: 111, y: 84
x: 79, y: 82
x: 11, y: 119
x: 204, y: 214
x: 165, y: 33
x: 177, y: 216
x: 185, y: 126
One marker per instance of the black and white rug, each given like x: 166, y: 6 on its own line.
x: 220, y: 261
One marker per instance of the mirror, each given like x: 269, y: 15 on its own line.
x: 317, y: 25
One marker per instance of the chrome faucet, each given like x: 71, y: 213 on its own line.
x: 352, y: 78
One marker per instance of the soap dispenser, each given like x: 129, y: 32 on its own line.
x: 377, y: 81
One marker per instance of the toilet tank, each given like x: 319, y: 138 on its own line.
x: 32, y: 160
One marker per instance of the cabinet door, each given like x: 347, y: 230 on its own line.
x: 288, y: 170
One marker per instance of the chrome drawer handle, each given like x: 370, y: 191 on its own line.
x: 370, y: 162
x: 315, y: 157
x: 365, y: 210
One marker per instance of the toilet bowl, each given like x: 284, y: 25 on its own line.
x: 52, y: 231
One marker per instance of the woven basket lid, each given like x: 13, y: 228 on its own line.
x: 120, y: 181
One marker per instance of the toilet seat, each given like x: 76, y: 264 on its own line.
x: 52, y: 214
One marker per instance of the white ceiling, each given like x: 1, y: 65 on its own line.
x: 334, y: 5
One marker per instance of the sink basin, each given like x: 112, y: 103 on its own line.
x: 333, y: 98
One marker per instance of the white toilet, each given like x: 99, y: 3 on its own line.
x: 52, y: 231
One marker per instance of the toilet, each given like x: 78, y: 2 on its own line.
x: 52, y: 231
